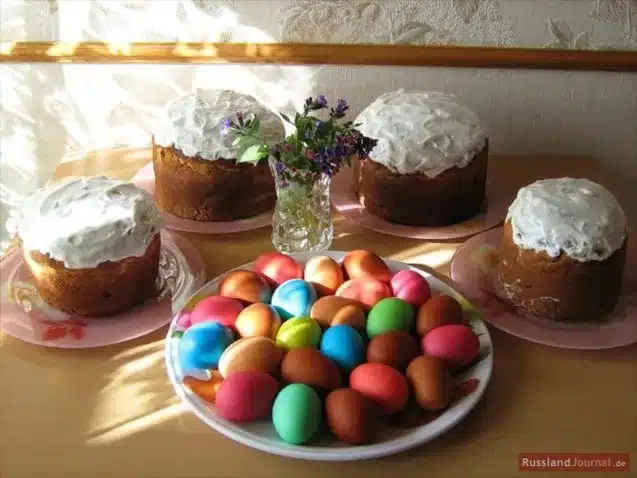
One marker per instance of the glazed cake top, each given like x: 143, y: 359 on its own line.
x: 575, y: 216
x: 83, y: 222
x: 192, y: 123
x: 421, y: 132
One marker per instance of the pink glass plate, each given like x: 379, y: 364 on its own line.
x: 27, y: 317
x: 145, y: 179
x: 472, y: 268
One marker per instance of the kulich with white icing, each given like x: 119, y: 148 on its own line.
x: 192, y: 123
x: 83, y: 222
x: 421, y: 132
x: 574, y: 216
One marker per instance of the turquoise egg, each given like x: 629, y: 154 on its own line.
x: 293, y: 298
x: 343, y: 345
x: 202, y: 344
x: 297, y: 413
x: 388, y: 315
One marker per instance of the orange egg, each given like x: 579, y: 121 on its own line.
x: 360, y: 264
x: 205, y: 389
x: 246, y: 286
x: 258, y: 320
x: 367, y: 291
x: 324, y: 273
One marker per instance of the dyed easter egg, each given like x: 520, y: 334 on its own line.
x: 437, y: 311
x: 246, y: 396
x: 298, y: 332
x: 184, y: 319
x: 205, y: 389
x: 411, y: 287
x: 366, y: 291
x: 277, y: 267
x: 388, y: 315
x: 257, y: 354
x: 396, y: 349
x: 324, y: 273
x: 343, y: 345
x: 216, y: 309
x: 430, y: 382
x: 335, y: 310
x: 457, y: 345
x: 294, y: 298
x: 246, y: 286
x: 311, y: 367
x: 349, y: 416
x: 297, y: 413
x: 258, y: 320
x: 383, y: 385
x: 202, y: 345
x: 360, y: 264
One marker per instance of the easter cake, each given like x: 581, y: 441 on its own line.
x: 563, y: 250
x: 197, y: 176
x: 429, y: 167
x: 92, y: 244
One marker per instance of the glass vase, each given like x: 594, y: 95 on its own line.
x: 302, y: 219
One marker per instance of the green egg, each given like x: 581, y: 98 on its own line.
x: 299, y: 332
x: 296, y: 413
x: 389, y: 315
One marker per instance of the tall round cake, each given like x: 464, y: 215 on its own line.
x: 196, y: 173
x: 429, y: 167
x: 563, y: 250
x: 92, y: 244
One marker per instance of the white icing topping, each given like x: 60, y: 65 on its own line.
x: 192, y: 123
x: 421, y: 132
x: 84, y: 222
x: 574, y: 216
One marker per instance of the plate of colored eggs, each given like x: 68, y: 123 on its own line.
x: 335, y: 356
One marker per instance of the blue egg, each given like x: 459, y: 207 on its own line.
x: 293, y: 298
x: 343, y: 345
x: 202, y: 344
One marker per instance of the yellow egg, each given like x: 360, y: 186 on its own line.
x: 258, y: 320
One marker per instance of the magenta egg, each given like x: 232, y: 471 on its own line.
x: 216, y: 308
x: 411, y: 287
x: 457, y: 345
x: 246, y: 396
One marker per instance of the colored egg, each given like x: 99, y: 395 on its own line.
x: 311, y: 367
x: 343, y: 345
x: 294, y: 298
x: 360, y: 264
x: 184, y: 319
x: 246, y: 286
x: 202, y: 345
x: 297, y: 413
x: 257, y: 354
x: 430, y: 381
x: 457, y: 345
x: 411, y: 287
x: 258, y: 320
x: 324, y: 273
x: 383, y: 385
x: 437, y: 311
x: 396, y: 349
x: 277, y: 267
x: 246, y: 396
x: 350, y: 417
x: 216, y: 309
x: 366, y: 291
x: 388, y: 315
x: 335, y: 310
x: 298, y: 332
x: 205, y: 389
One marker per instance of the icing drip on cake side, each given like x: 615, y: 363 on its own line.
x: 83, y: 222
x: 421, y: 132
x: 574, y: 216
x: 192, y: 123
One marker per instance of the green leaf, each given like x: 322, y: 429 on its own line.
x: 253, y: 155
x: 254, y: 126
x: 237, y: 141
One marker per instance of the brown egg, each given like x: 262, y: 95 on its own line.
x: 396, y: 349
x: 324, y: 273
x: 360, y: 264
x: 350, y: 416
x: 430, y: 382
x: 309, y: 366
x: 437, y: 311
x: 254, y: 354
x: 258, y: 320
x: 333, y: 310
x: 245, y: 285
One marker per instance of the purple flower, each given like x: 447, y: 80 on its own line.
x: 341, y: 108
x: 279, y: 167
x: 309, y: 134
x: 318, y: 123
x: 226, y: 125
x: 321, y: 101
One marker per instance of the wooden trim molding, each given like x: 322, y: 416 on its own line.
x: 314, y: 53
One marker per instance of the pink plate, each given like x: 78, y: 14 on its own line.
x: 145, y: 179
x: 494, y: 210
x: 27, y: 317
x: 472, y: 268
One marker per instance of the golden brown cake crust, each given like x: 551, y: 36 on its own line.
x: 453, y: 196
x: 560, y: 288
x: 107, y: 289
x: 202, y: 190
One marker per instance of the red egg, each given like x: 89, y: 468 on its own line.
x: 457, y: 345
x: 367, y: 291
x: 277, y: 267
x: 246, y: 286
x: 216, y: 308
x: 411, y: 287
x: 246, y: 396
x: 325, y: 275
x: 382, y: 385
x: 365, y: 264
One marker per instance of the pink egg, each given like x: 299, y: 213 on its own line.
x: 277, y: 267
x: 184, y: 319
x: 216, y: 308
x: 411, y: 287
x: 383, y: 385
x: 457, y: 345
x: 246, y: 396
x: 365, y: 290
